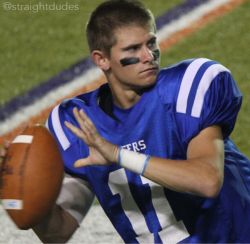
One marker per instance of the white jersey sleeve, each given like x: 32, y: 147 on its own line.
x: 76, y: 197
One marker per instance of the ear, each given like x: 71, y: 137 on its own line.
x: 100, y: 60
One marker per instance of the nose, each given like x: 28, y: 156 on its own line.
x: 147, y: 55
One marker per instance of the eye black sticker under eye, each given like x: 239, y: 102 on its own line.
x: 156, y: 54
x: 129, y: 61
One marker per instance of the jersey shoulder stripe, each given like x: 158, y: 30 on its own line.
x: 186, y: 84
x: 204, y: 85
x: 62, y: 112
x: 57, y: 130
x: 194, y: 85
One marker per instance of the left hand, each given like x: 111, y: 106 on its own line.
x: 101, y: 151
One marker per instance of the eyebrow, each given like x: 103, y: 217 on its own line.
x: 138, y: 44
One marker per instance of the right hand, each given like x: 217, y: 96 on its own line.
x: 4, y: 150
x: 101, y: 151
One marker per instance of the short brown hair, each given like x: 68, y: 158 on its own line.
x: 114, y: 14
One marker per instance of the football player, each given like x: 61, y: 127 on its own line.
x: 151, y: 144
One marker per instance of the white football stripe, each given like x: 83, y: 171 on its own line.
x: 186, y: 84
x: 58, y: 129
x: 12, y: 204
x: 187, y: 19
x: 204, y: 84
x: 50, y: 99
x: 23, y: 139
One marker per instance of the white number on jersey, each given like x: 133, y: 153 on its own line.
x: 172, y: 231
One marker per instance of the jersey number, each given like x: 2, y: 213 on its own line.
x: 172, y: 231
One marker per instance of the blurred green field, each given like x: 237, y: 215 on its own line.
x: 37, y: 45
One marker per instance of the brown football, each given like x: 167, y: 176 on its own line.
x: 31, y: 176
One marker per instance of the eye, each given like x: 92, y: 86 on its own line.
x: 152, y: 44
x: 133, y: 48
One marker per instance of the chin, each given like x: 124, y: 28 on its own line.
x: 151, y: 80
x: 147, y: 85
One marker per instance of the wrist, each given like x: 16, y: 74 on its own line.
x: 116, y: 154
x: 133, y: 161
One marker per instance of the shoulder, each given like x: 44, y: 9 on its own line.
x: 188, y: 71
x: 189, y: 79
x: 64, y: 112
x: 200, y: 93
x: 189, y: 68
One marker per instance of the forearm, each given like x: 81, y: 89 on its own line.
x: 196, y: 176
x: 200, y: 174
x: 193, y: 176
x: 57, y: 227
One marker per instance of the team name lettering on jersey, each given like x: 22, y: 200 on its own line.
x: 136, y: 146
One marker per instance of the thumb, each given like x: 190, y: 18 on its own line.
x: 82, y: 162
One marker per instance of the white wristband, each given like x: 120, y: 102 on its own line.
x: 133, y: 161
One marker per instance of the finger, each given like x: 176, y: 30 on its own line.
x: 78, y: 117
x: 82, y: 162
x: 85, y: 123
x: 82, y: 119
x: 86, y: 118
x: 3, y: 153
x: 89, y: 126
x: 79, y: 133
x: 7, y: 144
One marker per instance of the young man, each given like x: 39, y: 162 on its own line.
x: 154, y: 144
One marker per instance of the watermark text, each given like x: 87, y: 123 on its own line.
x: 40, y: 7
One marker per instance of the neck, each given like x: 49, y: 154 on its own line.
x: 125, y: 98
x: 124, y: 95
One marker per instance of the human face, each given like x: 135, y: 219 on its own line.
x: 134, y: 60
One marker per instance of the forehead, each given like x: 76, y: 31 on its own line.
x: 131, y: 35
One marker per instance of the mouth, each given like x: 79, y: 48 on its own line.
x: 155, y: 68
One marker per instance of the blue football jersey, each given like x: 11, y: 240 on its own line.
x: 188, y: 97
